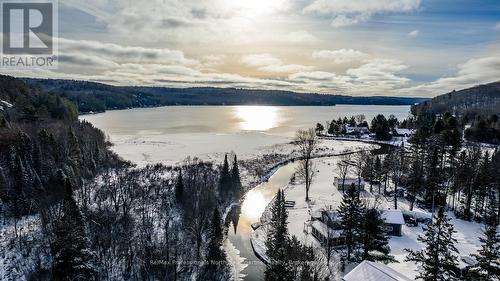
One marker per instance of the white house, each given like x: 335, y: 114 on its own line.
x: 356, y: 130
x: 373, y: 271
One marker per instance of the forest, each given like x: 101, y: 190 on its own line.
x: 97, y: 97
x: 80, y: 212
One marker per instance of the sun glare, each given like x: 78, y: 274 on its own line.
x: 257, y: 118
x: 254, y: 205
x: 253, y: 8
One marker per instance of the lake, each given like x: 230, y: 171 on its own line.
x: 170, y: 134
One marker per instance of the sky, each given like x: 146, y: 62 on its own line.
x: 417, y: 48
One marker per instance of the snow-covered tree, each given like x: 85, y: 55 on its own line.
x: 374, y: 240
x: 438, y: 260
x: 350, y: 212
x: 73, y: 258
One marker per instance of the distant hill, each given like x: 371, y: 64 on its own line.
x: 97, y: 97
x: 483, y: 100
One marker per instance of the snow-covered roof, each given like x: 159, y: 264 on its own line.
x: 404, y: 131
x: 356, y: 129
x: 323, y: 229
x: 372, y: 271
x: 348, y: 181
x: 393, y: 216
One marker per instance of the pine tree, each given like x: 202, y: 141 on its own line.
x: 374, y: 240
x: 179, y: 188
x: 350, y: 214
x: 438, y: 260
x: 216, y: 257
x: 225, y: 178
x: 235, y: 177
x: 277, y: 267
x: 73, y: 259
x: 488, y: 257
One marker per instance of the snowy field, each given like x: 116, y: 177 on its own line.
x: 323, y: 195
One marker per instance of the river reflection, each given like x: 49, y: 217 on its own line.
x: 241, y: 219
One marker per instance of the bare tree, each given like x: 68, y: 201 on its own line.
x: 344, y: 165
x: 306, y: 142
x: 360, y: 118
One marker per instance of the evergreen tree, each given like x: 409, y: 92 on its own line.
x: 235, y: 176
x: 488, y: 257
x: 374, y: 240
x: 438, y: 260
x: 179, y: 188
x: 73, y: 259
x: 277, y: 242
x: 225, y: 178
x: 216, y: 256
x: 350, y: 214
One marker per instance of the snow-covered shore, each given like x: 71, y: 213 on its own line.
x: 323, y: 195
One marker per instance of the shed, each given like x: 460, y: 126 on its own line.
x: 393, y: 221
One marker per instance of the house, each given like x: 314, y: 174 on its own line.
x: 403, y: 132
x: 356, y: 130
x: 326, y: 227
x: 345, y: 184
x: 393, y: 221
x: 373, y: 271
x: 322, y: 233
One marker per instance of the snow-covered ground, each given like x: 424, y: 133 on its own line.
x: 323, y: 195
x: 22, y: 253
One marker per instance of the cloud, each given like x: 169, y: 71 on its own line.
x: 349, y: 12
x: 269, y: 63
x: 347, y: 20
x: 497, y: 26
x: 285, y: 68
x: 300, y: 37
x: 414, y: 33
x: 314, y: 76
x: 258, y: 60
x: 341, y: 55
x: 473, y: 72
x: 123, y: 53
x: 380, y: 72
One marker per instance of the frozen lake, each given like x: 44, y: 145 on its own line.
x: 170, y: 134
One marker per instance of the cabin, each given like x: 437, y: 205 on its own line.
x: 323, y: 233
x: 337, y: 181
x: 356, y: 130
x: 393, y: 221
x: 325, y: 226
x: 402, y: 132
x: 374, y: 271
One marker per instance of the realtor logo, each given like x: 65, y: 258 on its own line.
x: 28, y: 32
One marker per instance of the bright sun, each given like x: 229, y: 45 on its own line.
x: 253, y: 8
x: 257, y: 118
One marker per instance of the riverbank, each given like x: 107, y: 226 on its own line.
x: 273, y: 175
x: 323, y: 195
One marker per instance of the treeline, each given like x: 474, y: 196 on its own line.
x: 40, y: 137
x: 382, y: 127
x: 485, y: 130
x: 97, y: 97
x: 482, y: 100
x: 95, y: 217
x: 478, y: 107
